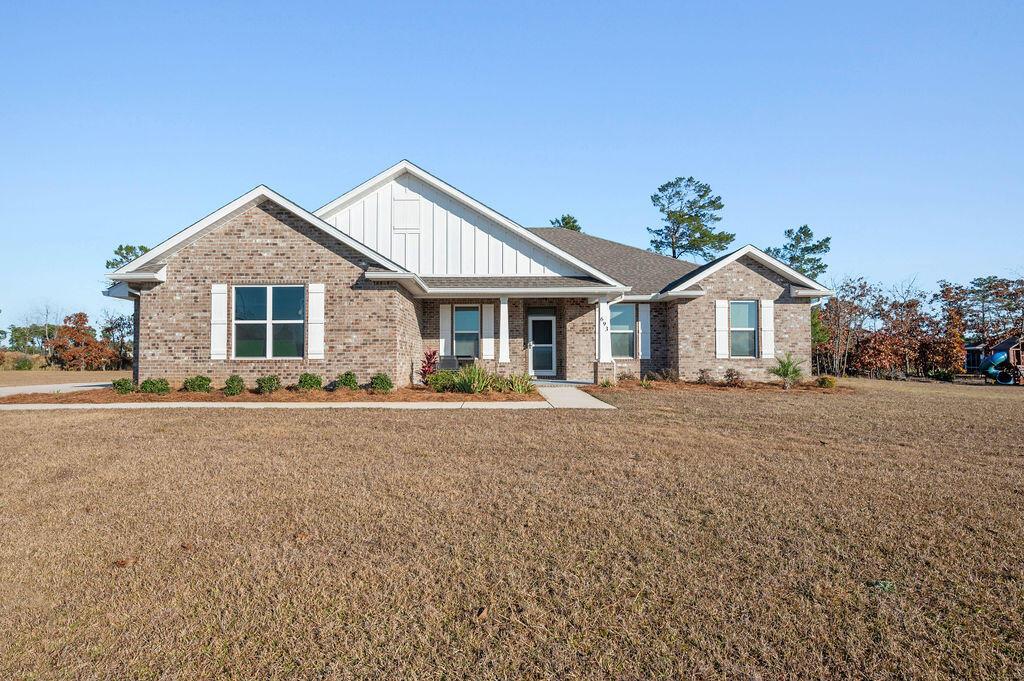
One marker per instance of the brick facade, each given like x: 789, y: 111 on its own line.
x: 375, y: 327
x: 369, y: 327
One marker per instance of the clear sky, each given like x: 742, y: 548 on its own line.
x: 896, y: 128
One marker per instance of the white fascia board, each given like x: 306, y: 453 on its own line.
x: 158, y: 276
x: 796, y: 292
x: 419, y: 287
x: 758, y: 255
x: 120, y: 290
x: 252, y: 197
x: 405, y: 166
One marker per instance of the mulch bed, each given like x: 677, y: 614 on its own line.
x: 408, y: 394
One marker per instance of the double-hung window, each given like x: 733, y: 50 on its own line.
x: 269, y: 322
x: 743, y: 328
x: 466, y: 325
x: 623, y: 330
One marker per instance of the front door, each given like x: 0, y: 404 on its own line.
x: 542, y: 346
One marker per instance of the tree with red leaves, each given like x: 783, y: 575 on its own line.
x: 75, y: 346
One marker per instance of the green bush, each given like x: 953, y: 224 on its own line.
x: 155, y: 386
x: 381, y: 383
x: 268, y: 384
x: 234, y: 385
x: 646, y: 383
x: 442, y: 381
x: 606, y: 383
x: 826, y: 381
x: 196, y: 384
x: 310, y: 382
x: 23, y: 364
x: 472, y: 379
x: 123, y: 386
x: 943, y: 375
x: 704, y: 377
x: 788, y: 369
x: 520, y: 383
x: 346, y: 380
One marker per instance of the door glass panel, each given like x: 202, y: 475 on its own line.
x: 541, y: 330
x: 543, y: 358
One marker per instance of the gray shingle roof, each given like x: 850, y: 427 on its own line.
x: 644, y: 271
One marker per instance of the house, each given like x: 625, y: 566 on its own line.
x: 406, y: 263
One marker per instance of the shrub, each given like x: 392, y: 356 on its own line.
x: 520, y: 383
x: 826, y: 381
x: 472, y: 378
x: 788, y: 369
x: 733, y: 378
x: 428, y: 366
x: 606, y: 383
x: 23, y: 364
x: 943, y: 375
x: 310, y: 382
x: 646, y: 383
x: 346, y: 380
x: 627, y: 376
x: 234, y: 385
x: 196, y: 384
x: 381, y: 383
x: 442, y: 381
x: 268, y: 384
x: 704, y: 377
x: 123, y: 386
x: 155, y: 386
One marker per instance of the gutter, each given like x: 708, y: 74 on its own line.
x: 417, y: 286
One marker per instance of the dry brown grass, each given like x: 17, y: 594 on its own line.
x: 878, y: 533
x: 407, y: 394
x: 53, y: 377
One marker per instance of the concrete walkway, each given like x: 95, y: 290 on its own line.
x: 555, y: 397
x: 50, y: 388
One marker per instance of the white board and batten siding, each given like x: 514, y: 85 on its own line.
x: 432, y: 234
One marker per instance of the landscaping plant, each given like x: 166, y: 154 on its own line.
x: 733, y: 378
x: 788, y: 369
x: 428, y: 366
x: 381, y: 383
x: 234, y: 385
x: 826, y: 381
x: 473, y: 379
x: 346, y: 380
x: 266, y: 385
x: 310, y: 382
x: 520, y: 383
x: 22, y: 364
x: 704, y: 377
x: 196, y: 384
x: 155, y: 386
x: 123, y: 386
x: 442, y: 381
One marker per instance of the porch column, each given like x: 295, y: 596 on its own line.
x: 604, y: 331
x: 503, y: 331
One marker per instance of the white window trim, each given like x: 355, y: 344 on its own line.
x: 623, y: 331
x: 268, y: 322
x: 757, y: 324
x: 479, y: 330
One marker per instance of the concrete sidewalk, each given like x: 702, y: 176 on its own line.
x: 570, y: 397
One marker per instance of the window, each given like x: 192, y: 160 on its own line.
x: 743, y: 328
x: 466, y: 324
x: 623, y: 330
x: 269, y: 322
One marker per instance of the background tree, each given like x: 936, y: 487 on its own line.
x: 3, y: 337
x: 689, y: 212
x: 802, y: 252
x: 845, y: 317
x: 75, y: 346
x: 119, y: 331
x: 567, y: 222
x: 124, y: 254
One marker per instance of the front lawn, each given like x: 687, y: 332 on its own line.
x: 873, y: 532
x: 54, y: 376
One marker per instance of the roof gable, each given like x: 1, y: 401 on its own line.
x: 148, y: 264
x: 433, y: 229
x: 810, y: 288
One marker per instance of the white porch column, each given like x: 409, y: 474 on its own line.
x: 503, y: 330
x: 604, y: 331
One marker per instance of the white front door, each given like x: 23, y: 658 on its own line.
x: 541, y: 351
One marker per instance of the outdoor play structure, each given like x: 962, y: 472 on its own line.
x: 1006, y: 363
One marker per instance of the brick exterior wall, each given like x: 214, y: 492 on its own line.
x: 693, y: 322
x: 369, y: 327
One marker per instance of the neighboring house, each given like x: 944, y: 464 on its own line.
x: 406, y: 263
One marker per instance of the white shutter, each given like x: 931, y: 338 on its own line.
x: 444, y: 338
x: 219, y: 321
x: 315, y: 321
x: 645, y: 331
x: 767, y: 328
x: 487, y: 326
x: 721, y: 329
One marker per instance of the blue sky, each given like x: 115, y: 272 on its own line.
x: 898, y: 129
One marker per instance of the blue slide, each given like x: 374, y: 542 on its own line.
x: 998, y: 367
